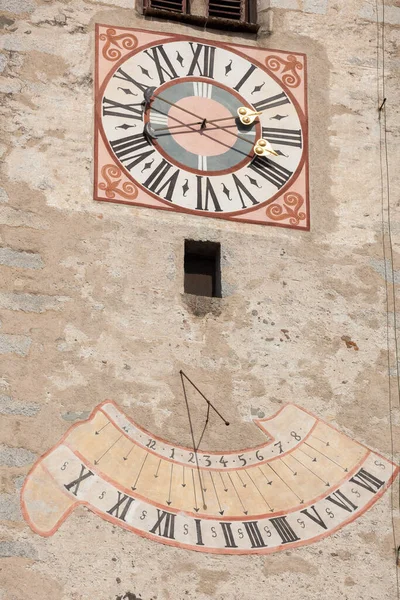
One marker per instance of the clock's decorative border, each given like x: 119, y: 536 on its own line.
x: 288, y: 69
x: 113, y: 176
x: 114, y: 45
x: 124, y: 43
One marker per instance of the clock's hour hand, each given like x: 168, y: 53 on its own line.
x: 148, y: 93
x: 261, y: 148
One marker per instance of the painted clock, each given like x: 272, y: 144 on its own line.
x: 218, y: 130
x: 304, y: 483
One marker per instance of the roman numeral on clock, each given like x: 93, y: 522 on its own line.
x: 162, y: 62
x: 203, y: 196
x: 167, y: 520
x: 77, y: 482
x: 242, y: 188
x: 116, y: 109
x: 245, y: 78
x: 157, y: 183
x: 342, y: 501
x: 228, y: 535
x: 283, y: 137
x: 367, y: 481
x: 120, y: 74
x: 272, y: 102
x: 126, y: 148
x: 124, y: 503
x: 286, y: 533
x: 254, y: 534
x: 274, y: 173
x: 203, y: 60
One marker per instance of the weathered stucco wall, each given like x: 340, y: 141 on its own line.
x: 92, y: 304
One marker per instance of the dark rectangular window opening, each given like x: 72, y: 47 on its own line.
x: 202, y: 268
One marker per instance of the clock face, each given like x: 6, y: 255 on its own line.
x: 186, y: 146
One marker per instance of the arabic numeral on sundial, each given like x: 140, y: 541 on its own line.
x: 223, y: 461
x: 258, y: 455
x: 279, y: 446
x: 242, y: 459
x: 191, y: 457
x: 172, y: 455
x: 295, y: 435
x: 151, y: 444
x: 207, y: 459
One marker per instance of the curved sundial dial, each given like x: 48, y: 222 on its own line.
x: 304, y: 483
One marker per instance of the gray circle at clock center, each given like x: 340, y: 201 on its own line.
x: 228, y: 158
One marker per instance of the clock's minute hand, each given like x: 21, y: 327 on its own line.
x: 148, y: 93
x: 250, y: 114
x: 261, y: 149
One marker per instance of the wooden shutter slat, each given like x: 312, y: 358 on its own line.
x: 226, y: 9
x: 170, y: 5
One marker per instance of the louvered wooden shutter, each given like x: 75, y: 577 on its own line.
x: 178, y: 6
x: 227, y: 9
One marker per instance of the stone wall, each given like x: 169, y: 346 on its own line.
x: 92, y: 303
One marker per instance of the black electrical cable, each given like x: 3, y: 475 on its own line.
x: 387, y: 238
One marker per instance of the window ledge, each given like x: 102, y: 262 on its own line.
x: 200, y: 306
x: 211, y: 22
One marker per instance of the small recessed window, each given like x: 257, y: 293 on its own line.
x: 202, y: 268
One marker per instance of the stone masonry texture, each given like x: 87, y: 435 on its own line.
x: 92, y: 305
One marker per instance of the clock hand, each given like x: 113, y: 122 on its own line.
x: 261, y: 149
x: 207, y: 122
x: 150, y: 133
x: 148, y: 93
x: 246, y: 115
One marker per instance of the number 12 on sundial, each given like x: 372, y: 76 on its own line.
x: 195, y: 126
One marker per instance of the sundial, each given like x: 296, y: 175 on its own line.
x: 304, y: 483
